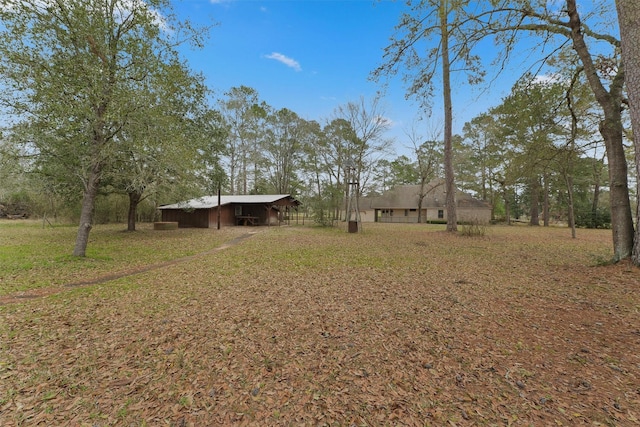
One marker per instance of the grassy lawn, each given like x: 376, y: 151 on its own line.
x: 33, y: 257
x: 397, y: 325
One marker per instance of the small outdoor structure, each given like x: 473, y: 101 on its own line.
x: 202, y: 212
x: 165, y: 225
x: 400, y: 205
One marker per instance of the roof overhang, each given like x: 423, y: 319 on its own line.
x: 208, y: 202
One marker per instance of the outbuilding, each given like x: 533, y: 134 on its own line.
x: 203, y: 212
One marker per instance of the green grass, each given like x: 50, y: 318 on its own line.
x: 33, y: 257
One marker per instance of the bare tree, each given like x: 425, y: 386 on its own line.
x: 444, y: 20
x: 449, y: 178
x: 368, y: 143
x: 429, y: 163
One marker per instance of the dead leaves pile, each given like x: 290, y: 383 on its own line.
x: 399, y: 325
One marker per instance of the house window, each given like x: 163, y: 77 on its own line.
x: 239, y: 210
x: 406, y: 212
x: 440, y: 214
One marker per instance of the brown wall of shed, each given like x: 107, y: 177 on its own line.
x: 208, y: 218
x: 227, y: 216
x: 198, y: 218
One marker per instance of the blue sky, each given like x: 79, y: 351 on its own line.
x: 311, y: 56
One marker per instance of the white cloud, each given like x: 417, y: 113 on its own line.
x: 289, y: 62
x: 544, y: 79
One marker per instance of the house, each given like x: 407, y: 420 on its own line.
x: 202, y: 212
x: 400, y: 205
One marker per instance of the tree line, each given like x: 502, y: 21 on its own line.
x: 97, y: 101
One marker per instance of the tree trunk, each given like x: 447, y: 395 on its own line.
x: 545, y: 204
x: 507, y: 207
x: 449, y: 178
x: 594, y: 204
x: 629, y: 19
x: 218, y: 207
x: 534, y: 211
x: 611, y: 130
x: 483, y: 177
x: 232, y: 173
x: 134, y: 200
x: 245, y: 172
x: 572, y: 222
x: 621, y: 220
x: 86, y: 212
x: 421, y: 197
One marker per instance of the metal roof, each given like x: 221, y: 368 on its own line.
x: 207, y: 202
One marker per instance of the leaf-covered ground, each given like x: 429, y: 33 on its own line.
x: 397, y: 325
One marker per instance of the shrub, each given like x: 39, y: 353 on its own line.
x: 437, y: 221
x: 18, y: 204
x: 474, y: 228
x: 588, y: 219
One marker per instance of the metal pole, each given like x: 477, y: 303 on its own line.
x: 219, y: 197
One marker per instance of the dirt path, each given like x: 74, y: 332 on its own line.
x: 43, y: 292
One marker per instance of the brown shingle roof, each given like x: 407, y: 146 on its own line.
x: 406, y: 197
